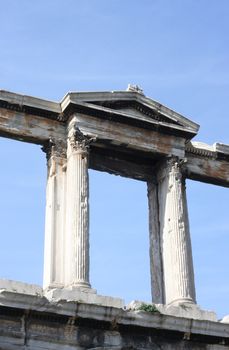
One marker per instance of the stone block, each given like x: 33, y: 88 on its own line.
x: 20, y: 287
x: 84, y: 295
x: 184, y: 310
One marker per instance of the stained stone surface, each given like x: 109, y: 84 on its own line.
x: 185, y: 309
x: 29, y: 321
x: 176, y: 250
x: 20, y: 287
x: 123, y: 133
x: 85, y: 295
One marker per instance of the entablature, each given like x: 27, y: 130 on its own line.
x: 208, y: 163
x: 132, y: 132
x: 127, y: 107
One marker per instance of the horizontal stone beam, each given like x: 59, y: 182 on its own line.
x: 130, y: 137
x: 116, y: 166
x: 28, y: 127
x: 211, y: 171
x: 208, y: 163
x: 205, y: 163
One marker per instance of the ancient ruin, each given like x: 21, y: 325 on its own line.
x: 128, y: 134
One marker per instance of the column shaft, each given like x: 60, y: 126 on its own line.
x: 77, y: 248
x: 55, y: 215
x: 157, y: 287
x: 174, y: 230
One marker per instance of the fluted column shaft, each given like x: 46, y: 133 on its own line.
x: 55, y: 214
x: 175, y: 236
x: 77, y: 274
x: 155, y: 251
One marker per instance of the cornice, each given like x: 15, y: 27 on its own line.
x: 215, y: 151
x: 31, y: 105
x: 154, y: 115
x: 200, y: 149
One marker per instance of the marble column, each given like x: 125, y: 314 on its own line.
x: 175, y: 236
x: 55, y: 214
x: 77, y: 220
x: 155, y: 251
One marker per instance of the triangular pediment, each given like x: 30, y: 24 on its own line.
x: 133, y: 107
x: 137, y: 110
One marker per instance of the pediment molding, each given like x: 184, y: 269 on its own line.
x: 129, y: 107
x: 132, y: 105
x: 136, y: 108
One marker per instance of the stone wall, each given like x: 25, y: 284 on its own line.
x: 33, y: 322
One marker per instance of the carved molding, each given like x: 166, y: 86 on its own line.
x: 54, y: 148
x: 201, y: 151
x: 80, y: 142
x: 171, y: 164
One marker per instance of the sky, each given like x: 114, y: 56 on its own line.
x: 178, y: 52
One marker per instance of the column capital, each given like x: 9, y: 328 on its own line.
x: 171, y: 164
x: 55, y: 148
x: 80, y: 142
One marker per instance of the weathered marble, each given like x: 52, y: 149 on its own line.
x: 128, y: 134
x: 32, y: 322
x: 156, y: 263
x: 207, y: 163
x: 54, y: 262
x: 185, y: 310
x: 83, y: 295
x: 77, y: 218
x: 176, y: 247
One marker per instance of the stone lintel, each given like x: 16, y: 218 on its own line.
x: 208, y: 170
x: 125, y: 137
x: 28, y: 127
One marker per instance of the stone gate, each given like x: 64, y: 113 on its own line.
x: 128, y: 134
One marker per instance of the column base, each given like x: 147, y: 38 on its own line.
x: 190, y: 310
x: 53, y: 286
x: 83, y: 285
x: 80, y: 287
x: 83, y: 295
x: 184, y: 310
x: 180, y: 301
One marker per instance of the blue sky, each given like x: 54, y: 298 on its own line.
x: 177, y: 51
